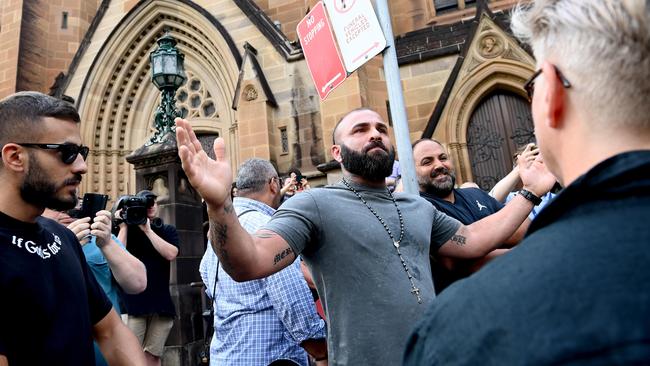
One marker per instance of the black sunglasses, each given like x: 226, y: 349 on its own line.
x: 529, y: 85
x: 68, y: 152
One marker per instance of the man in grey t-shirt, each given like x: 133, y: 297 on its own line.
x: 368, y: 250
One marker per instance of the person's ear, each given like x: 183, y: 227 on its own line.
x: 336, y: 153
x: 14, y: 157
x: 554, y: 96
x: 274, y: 187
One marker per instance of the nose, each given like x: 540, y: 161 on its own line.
x: 375, y: 134
x: 79, y: 165
x: 438, y: 165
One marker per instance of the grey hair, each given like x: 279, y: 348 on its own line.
x: 602, y: 47
x: 254, y: 174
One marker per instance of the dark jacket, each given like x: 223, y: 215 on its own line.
x: 576, y: 290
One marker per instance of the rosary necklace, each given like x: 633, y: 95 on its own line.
x: 414, y: 290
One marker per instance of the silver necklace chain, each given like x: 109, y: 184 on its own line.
x: 396, y: 243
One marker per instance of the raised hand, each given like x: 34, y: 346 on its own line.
x: 211, y: 178
x: 527, y: 156
x: 536, y: 177
x: 289, y: 185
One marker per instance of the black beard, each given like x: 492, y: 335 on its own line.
x: 440, y: 190
x: 40, y: 192
x: 373, y: 167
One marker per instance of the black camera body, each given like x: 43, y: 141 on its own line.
x: 134, y: 210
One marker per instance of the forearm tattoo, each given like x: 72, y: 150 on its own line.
x: 280, y: 256
x: 228, y: 208
x: 218, y: 237
x: 459, y: 240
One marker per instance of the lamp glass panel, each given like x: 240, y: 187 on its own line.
x: 169, y: 64
x: 159, y: 80
x: 157, y: 64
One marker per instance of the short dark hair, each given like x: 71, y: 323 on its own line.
x: 344, y: 116
x: 425, y: 139
x: 22, y: 112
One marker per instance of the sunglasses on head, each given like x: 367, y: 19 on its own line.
x: 68, y: 152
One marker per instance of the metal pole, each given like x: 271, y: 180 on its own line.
x: 396, y: 100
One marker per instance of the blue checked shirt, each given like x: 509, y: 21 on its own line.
x: 259, y: 321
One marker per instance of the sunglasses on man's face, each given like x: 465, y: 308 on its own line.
x: 68, y: 152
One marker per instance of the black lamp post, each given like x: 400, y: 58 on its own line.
x: 167, y: 74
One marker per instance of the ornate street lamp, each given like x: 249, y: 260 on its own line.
x: 167, y: 74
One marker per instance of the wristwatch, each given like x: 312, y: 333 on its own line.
x: 530, y: 196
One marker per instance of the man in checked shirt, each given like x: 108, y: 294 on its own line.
x: 270, y: 319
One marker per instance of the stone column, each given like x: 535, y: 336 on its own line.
x: 158, y: 169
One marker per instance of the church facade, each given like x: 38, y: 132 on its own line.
x: 247, y: 81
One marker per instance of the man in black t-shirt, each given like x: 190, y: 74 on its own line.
x: 437, y: 178
x: 51, y: 304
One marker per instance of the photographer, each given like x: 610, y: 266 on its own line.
x: 295, y: 183
x: 106, y: 257
x: 151, y: 313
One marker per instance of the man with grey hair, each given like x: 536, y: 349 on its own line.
x: 577, y: 289
x: 261, y: 321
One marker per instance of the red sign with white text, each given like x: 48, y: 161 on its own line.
x: 319, y: 48
x: 357, y: 31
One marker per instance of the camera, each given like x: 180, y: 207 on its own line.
x: 134, y: 210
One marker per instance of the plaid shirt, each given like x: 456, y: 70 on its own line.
x: 259, y: 321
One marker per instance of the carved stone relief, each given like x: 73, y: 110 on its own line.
x: 250, y: 93
x: 491, y: 45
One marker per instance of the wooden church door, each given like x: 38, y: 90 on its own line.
x: 499, y: 125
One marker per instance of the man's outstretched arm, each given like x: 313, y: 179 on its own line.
x: 483, y: 236
x: 243, y: 256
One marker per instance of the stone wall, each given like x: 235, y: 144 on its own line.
x: 10, y: 19
x: 50, y: 34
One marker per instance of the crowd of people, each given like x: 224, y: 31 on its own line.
x: 523, y: 274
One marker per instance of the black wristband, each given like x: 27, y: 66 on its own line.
x: 321, y: 359
x: 530, y: 196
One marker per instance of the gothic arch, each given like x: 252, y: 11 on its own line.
x: 118, y: 100
x: 492, y: 60
x: 502, y: 75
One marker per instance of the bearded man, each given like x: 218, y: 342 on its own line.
x: 368, y: 249
x: 437, y: 181
x: 51, y: 306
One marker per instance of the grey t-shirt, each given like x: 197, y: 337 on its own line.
x: 365, y: 291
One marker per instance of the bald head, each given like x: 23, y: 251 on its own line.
x: 362, y: 145
x: 348, y: 117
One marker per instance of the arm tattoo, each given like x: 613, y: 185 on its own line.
x: 229, y: 208
x: 281, y: 255
x: 218, y: 237
x: 459, y: 240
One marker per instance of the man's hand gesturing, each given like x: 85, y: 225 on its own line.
x: 211, y: 178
